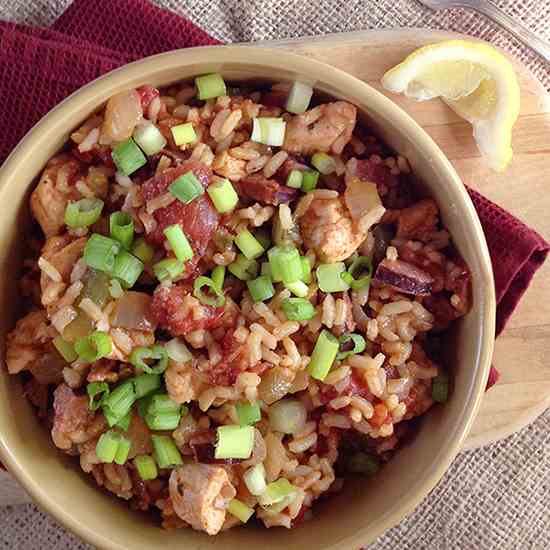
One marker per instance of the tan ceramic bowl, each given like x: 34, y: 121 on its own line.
x: 365, y: 508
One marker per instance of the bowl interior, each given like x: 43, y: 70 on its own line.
x: 366, y: 507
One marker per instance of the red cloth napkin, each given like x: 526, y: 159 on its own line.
x: 40, y: 67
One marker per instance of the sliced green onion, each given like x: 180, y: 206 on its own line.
x: 324, y: 354
x: 128, y: 157
x: 121, y: 227
x: 261, y: 288
x: 248, y: 413
x: 218, y: 276
x: 146, y: 467
x: 324, y: 163
x: 298, y: 288
x: 144, y: 384
x: 269, y: 131
x: 183, y: 133
x: 223, y: 195
x: 218, y: 298
x: 115, y: 289
x: 161, y: 422
x: 309, y: 180
x: 178, y: 242
x: 127, y: 269
x: 83, y: 213
x: 122, y: 451
x: 298, y: 309
x: 299, y: 97
x: 263, y: 237
x: 143, y: 250
x: 362, y: 463
x: 440, y: 388
x: 249, y: 245
x: 360, y: 266
x: 107, y: 446
x: 329, y: 277
x: 186, y: 188
x: 97, y: 391
x: 163, y: 404
x: 295, y: 179
x: 119, y: 402
x: 65, y: 349
x: 149, y: 138
x: 254, y: 479
x: 240, y: 510
x: 100, y: 252
x: 306, y: 270
x: 124, y: 422
x: 243, y: 269
x: 274, y: 509
x: 144, y: 402
x: 234, y: 442
x: 169, y: 268
x: 266, y: 270
x: 276, y: 491
x: 94, y: 346
x: 177, y: 351
x: 285, y: 262
x: 210, y: 86
x: 359, y: 345
x: 156, y: 353
x: 165, y: 452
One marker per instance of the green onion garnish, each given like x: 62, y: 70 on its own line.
x: 121, y: 227
x: 100, y: 252
x: 243, y: 269
x: 254, y: 479
x: 440, y: 388
x: 156, y: 353
x: 161, y: 422
x: 276, y: 491
x: 306, y: 270
x: 295, y: 179
x: 65, y: 349
x: 210, y: 86
x: 234, y: 442
x: 96, y: 287
x: 165, y: 452
x: 124, y: 422
x: 144, y: 384
x: 298, y: 288
x: 240, y: 510
x: 361, y: 272
x: 269, y: 131
x: 115, y: 289
x: 127, y: 269
x: 299, y: 97
x: 248, y: 413
x: 223, y: 195
x: 324, y: 354
x: 186, y: 188
x: 266, y: 270
x: 359, y: 345
x: 122, y: 451
x: 218, y: 276
x: 178, y: 242
x: 97, y: 391
x: 163, y: 404
x: 149, y: 138
x: 329, y: 277
x: 143, y: 250
x: 83, y: 213
x: 261, y: 288
x: 94, y: 346
x: 128, y: 157
x: 177, y: 351
x: 309, y: 180
x: 183, y: 133
x: 107, y: 446
x: 298, y: 309
x: 362, y: 463
x: 169, y: 268
x: 249, y: 245
x: 285, y: 263
x: 324, y: 163
x: 263, y: 237
x: 146, y: 467
x: 214, y: 297
x: 119, y: 402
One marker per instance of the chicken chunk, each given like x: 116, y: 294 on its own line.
x: 326, y: 128
x: 200, y: 494
x: 328, y: 229
x: 63, y: 253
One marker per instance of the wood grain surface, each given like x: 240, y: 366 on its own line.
x: 522, y: 352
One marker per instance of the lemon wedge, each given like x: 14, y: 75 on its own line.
x: 475, y: 80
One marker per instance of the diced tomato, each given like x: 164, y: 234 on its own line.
x: 146, y: 95
x: 380, y: 415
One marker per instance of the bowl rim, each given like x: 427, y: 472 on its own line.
x: 55, y: 120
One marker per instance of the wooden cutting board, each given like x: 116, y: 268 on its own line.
x: 522, y: 352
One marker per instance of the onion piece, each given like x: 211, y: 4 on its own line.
x: 275, y: 384
x: 287, y: 416
x: 177, y: 351
x: 299, y: 97
x: 361, y: 197
x: 133, y: 311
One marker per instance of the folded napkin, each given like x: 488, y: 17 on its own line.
x: 40, y: 67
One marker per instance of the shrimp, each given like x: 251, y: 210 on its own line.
x: 326, y: 128
x: 328, y: 229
